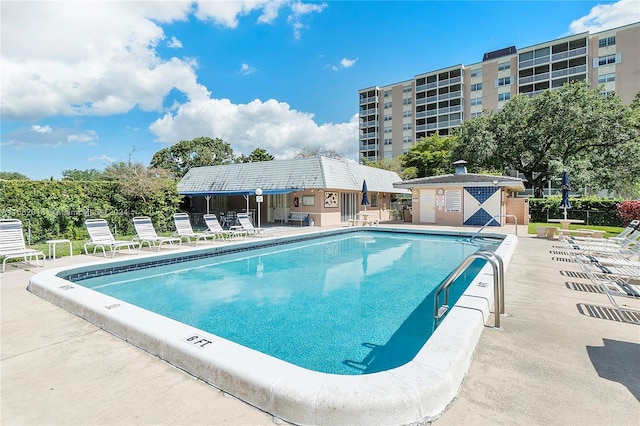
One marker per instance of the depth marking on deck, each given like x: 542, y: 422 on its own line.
x: 197, y: 340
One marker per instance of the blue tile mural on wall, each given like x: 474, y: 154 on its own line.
x: 481, y: 194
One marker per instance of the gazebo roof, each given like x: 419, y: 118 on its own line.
x: 283, y: 176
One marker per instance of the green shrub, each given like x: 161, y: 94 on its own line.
x: 593, y: 211
x: 58, y: 209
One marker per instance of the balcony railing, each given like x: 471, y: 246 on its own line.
x: 569, y: 54
x: 532, y: 78
x: 569, y: 71
x: 368, y: 100
x: 365, y: 124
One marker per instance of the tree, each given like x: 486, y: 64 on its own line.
x: 82, y: 175
x: 574, y: 128
x: 198, y: 152
x: 318, y: 152
x: 257, y: 155
x: 12, y: 176
x: 395, y: 165
x: 430, y: 156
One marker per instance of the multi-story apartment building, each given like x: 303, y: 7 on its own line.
x: 394, y: 117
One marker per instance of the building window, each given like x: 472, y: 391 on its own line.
x: 407, y: 126
x: 406, y: 114
x: 476, y: 101
x: 387, y: 130
x: 387, y: 105
x: 476, y: 72
x: 387, y: 118
x: 504, y: 96
x: 406, y: 89
x: 406, y: 101
x: 388, y: 141
x: 476, y: 114
x: 475, y: 87
x: 407, y: 139
x: 606, y: 78
x: 506, y: 81
x: 606, y: 60
x: 608, y: 41
x: 387, y: 93
x: 504, y: 66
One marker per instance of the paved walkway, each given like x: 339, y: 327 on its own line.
x: 558, y: 359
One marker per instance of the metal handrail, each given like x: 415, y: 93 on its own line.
x: 490, y: 220
x: 498, y: 284
x: 500, y: 272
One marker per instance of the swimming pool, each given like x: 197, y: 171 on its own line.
x: 404, y: 392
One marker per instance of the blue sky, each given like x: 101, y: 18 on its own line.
x: 87, y: 83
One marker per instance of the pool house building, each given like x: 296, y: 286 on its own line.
x: 324, y: 191
x: 462, y: 199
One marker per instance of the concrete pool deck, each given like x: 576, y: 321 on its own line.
x: 553, y: 362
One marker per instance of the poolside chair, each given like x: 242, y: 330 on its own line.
x: 615, y: 288
x: 632, y: 228
x: 185, y: 231
x: 626, y: 249
x: 247, y: 226
x: 12, y: 244
x: 147, y: 234
x: 100, y: 236
x: 216, y: 229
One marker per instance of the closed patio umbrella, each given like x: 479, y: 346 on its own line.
x: 566, y: 187
x: 365, y: 195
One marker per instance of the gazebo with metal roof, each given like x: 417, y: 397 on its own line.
x: 286, y: 176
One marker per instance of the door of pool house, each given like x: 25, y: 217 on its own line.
x: 348, y: 206
x: 278, y: 209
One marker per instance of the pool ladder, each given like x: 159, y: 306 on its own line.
x: 498, y: 284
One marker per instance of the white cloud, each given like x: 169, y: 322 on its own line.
x: 102, y: 157
x: 226, y: 13
x: 299, y: 10
x: 47, y: 136
x: 174, y: 43
x: 344, y: 63
x: 271, y: 125
x: 41, y: 129
x: 606, y: 16
x: 246, y: 69
x: 88, y: 58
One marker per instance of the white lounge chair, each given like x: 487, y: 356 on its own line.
x: 247, y: 226
x: 100, y: 236
x: 147, y: 234
x: 12, y: 243
x: 617, y: 290
x: 216, y: 229
x: 185, y: 231
x: 632, y: 229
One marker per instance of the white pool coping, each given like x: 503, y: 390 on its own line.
x: 418, y: 391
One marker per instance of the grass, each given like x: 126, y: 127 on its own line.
x: 610, y: 231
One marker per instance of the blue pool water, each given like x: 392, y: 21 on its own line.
x: 349, y: 304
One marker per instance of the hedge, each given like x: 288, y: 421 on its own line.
x: 593, y: 211
x: 58, y: 209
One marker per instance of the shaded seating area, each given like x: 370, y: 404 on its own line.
x: 100, y: 236
x: 12, y: 244
x: 146, y: 233
x: 184, y: 230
